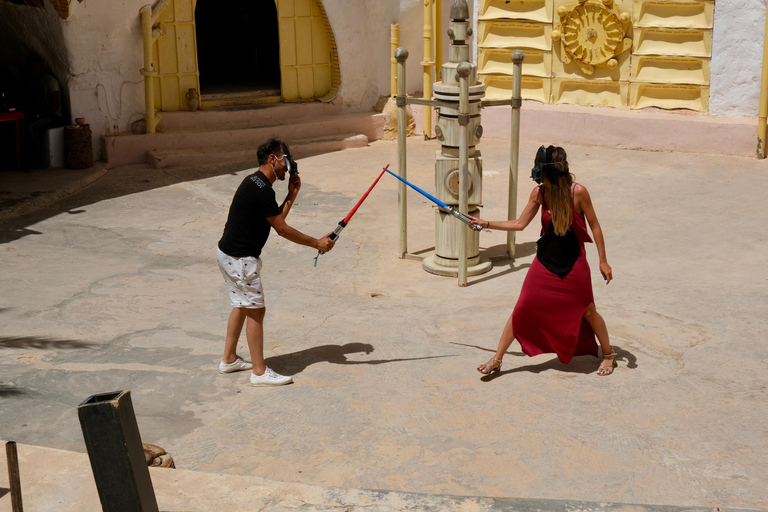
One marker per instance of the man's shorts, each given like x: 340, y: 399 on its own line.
x: 243, y: 278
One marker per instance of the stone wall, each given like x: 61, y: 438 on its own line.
x: 737, y: 56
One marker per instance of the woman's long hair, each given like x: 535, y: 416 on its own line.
x: 558, y: 181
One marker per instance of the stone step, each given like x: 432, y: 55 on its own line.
x: 174, y: 158
x: 244, y: 116
x: 132, y: 149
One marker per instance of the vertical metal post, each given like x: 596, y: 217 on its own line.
x: 394, y: 41
x: 518, y: 56
x: 437, y: 16
x: 427, y: 63
x: 14, y: 478
x: 117, y: 458
x: 762, y: 127
x: 401, y: 55
x: 463, y: 70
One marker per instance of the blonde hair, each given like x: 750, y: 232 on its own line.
x: 558, y: 181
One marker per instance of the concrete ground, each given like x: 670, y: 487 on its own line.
x: 116, y: 287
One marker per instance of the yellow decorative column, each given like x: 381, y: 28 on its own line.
x: 394, y: 42
x: 428, y: 63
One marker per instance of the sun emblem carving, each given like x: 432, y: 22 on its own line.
x: 592, y: 34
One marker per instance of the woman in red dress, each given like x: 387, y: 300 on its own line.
x: 556, y: 310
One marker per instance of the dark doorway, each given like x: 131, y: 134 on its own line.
x: 237, y: 46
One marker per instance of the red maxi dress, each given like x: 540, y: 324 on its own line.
x: 549, y: 315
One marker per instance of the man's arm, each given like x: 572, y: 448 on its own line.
x: 324, y: 244
x: 294, y: 184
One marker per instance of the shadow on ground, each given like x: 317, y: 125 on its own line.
x: 118, y: 182
x: 498, y: 255
x: 7, y: 391
x: 581, y: 364
x: 296, y: 362
x: 42, y: 342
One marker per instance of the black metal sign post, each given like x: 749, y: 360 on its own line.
x: 117, y: 457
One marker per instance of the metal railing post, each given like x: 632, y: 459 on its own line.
x: 428, y: 63
x: 463, y: 70
x: 401, y: 55
x: 514, y: 144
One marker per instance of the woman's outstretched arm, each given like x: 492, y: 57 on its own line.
x: 584, y: 203
x: 518, y: 224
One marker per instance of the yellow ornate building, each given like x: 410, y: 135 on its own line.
x: 616, y: 53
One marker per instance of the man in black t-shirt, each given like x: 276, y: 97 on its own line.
x: 254, y: 211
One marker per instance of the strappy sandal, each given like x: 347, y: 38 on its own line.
x: 487, y: 370
x: 607, y: 370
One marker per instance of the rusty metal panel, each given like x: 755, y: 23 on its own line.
x: 186, y: 48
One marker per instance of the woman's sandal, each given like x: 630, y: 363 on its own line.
x: 487, y: 370
x: 607, y: 370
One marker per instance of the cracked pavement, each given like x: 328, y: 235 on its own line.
x: 116, y: 287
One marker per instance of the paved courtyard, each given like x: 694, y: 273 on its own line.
x: 116, y: 287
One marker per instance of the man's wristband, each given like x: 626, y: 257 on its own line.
x: 488, y: 226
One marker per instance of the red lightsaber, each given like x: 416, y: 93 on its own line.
x: 343, y: 223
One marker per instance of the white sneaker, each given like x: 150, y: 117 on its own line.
x: 270, y: 378
x: 238, y: 365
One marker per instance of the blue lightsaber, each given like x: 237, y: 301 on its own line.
x: 448, y: 209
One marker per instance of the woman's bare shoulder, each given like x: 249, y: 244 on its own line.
x: 580, y: 190
x: 536, y: 194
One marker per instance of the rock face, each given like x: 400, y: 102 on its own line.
x: 390, y: 126
x: 157, y: 457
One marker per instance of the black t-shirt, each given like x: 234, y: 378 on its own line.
x: 247, y: 227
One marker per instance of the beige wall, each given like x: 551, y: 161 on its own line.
x: 99, y: 54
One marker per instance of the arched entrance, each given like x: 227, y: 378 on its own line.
x: 238, y: 46
x: 246, y: 49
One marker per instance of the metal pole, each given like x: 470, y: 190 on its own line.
x: 463, y: 70
x: 113, y: 442
x: 438, y: 36
x: 427, y: 63
x: 518, y: 56
x: 401, y: 55
x: 393, y: 43
x: 762, y: 128
x: 14, y: 479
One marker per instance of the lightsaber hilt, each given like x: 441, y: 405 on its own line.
x: 336, y: 232
x: 448, y: 209
x: 463, y: 218
x: 333, y: 236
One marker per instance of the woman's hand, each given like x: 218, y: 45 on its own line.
x: 605, y: 269
x: 479, y: 222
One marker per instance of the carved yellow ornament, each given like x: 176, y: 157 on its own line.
x: 592, y: 34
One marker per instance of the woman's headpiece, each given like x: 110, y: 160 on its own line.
x: 543, y: 160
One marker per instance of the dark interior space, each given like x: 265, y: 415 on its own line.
x: 34, y: 68
x: 237, y: 46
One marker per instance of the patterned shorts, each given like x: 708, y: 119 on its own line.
x: 243, y: 278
